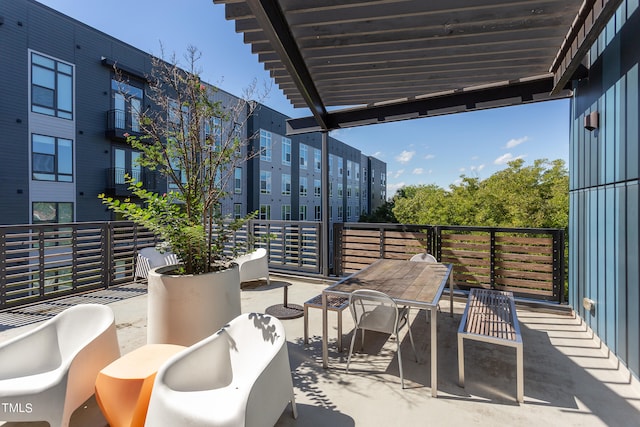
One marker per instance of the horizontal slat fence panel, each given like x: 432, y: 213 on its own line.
x: 359, y: 245
x: 528, y: 262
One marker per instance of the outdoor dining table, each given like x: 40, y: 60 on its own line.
x: 409, y: 283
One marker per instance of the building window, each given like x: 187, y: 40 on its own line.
x: 126, y: 162
x: 51, y: 158
x: 349, y: 166
x: 286, y: 151
x: 237, y: 181
x: 373, y: 176
x: 286, y: 184
x: 349, y: 210
x: 383, y: 179
x: 330, y: 163
x: 364, y: 176
x: 317, y: 213
x: 127, y: 103
x: 348, y: 191
x: 357, y: 192
x: 317, y: 188
x: 303, y: 156
x: 303, y: 212
x: 317, y: 159
x: 340, y: 192
x: 237, y: 210
x: 331, y: 189
x: 303, y: 186
x: 340, y: 212
x: 340, y: 166
x: 51, y: 212
x: 265, y: 182
x: 265, y: 211
x: 213, y: 132
x: 286, y: 212
x: 357, y: 169
x: 265, y: 145
x: 51, y: 87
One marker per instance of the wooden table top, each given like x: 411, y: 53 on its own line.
x: 410, y: 282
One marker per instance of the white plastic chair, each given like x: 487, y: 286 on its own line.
x: 239, y: 376
x: 149, y: 258
x: 48, y: 372
x: 254, y: 265
x: 376, y: 311
x: 423, y: 257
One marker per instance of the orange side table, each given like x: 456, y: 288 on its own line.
x: 123, y: 388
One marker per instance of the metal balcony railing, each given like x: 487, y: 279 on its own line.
x: 44, y: 261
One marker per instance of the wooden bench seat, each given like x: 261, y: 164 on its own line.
x: 490, y: 316
x: 334, y: 303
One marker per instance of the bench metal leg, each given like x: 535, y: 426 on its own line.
x: 339, y: 314
x: 306, y: 324
x: 460, y: 361
x: 520, y: 373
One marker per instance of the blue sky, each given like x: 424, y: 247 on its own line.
x: 435, y: 150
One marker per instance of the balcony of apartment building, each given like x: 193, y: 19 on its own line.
x: 569, y: 376
x: 122, y: 123
x: 116, y: 184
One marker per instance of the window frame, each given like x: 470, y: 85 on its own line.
x: 55, y: 173
x: 55, y: 109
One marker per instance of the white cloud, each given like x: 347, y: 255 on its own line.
x: 506, y: 158
x: 395, y: 174
x: 418, y: 171
x: 405, y: 156
x: 392, y: 188
x: 462, y: 169
x: 515, y: 142
x: 377, y: 154
x: 429, y: 156
x: 480, y: 167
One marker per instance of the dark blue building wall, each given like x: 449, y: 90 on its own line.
x: 604, y: 260
x: 30, y: 25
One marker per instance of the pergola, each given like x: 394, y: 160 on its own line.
x: 363, y: 62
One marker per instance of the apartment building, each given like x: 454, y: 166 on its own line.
x: 64, y: 123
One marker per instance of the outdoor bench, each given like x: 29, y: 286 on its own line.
x: 490, y: 316
x: 334, y: 303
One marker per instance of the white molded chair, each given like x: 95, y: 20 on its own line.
x: 48, y: 372
x: 423, y: 257
x: 239, y: 376
x: 376, y: 311
x: 254, y: 265
x: 149, y: 258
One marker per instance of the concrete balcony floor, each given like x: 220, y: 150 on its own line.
x: 570, y: 380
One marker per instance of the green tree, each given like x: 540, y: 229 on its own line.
x: 519, y: 196
x: 422, y: 204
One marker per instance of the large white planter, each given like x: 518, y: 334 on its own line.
x: 184, y: 309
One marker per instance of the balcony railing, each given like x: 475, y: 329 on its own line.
x: 529, y: 262
x: 116, y: 185
x: 120, y: 123
x: 44, y: 261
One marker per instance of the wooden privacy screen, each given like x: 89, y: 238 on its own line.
x: 361, y: 248
x: 528, y: 262
x: 520, y: 263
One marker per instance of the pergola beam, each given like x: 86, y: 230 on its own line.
x: 509, y: 93
x: 589, y: 23
x: 272, y: 21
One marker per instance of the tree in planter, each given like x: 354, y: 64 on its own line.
x: 194, y: 141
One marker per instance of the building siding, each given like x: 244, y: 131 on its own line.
x: 30, y: 26
x: 604, y: 176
